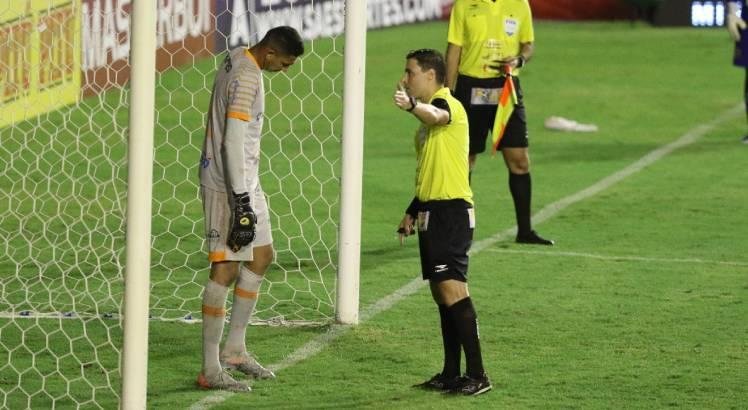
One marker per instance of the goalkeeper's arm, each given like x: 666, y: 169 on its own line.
x: 241, y: 174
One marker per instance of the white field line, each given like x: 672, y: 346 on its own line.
x: 316, y: 345
x: 689, y: 261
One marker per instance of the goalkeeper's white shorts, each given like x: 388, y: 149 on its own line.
x: 218, y: 221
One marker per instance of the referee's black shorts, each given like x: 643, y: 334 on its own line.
x: 445, y: 233
x: 481, y: 116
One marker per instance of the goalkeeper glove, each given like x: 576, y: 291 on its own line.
x: 243, y: 223
x: 735, y: 24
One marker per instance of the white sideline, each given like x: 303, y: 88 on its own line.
x: 618, y: 257
x: 316, y: 345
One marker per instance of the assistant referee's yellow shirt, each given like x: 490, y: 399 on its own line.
x: 442, y: 151
x: 489, y: 30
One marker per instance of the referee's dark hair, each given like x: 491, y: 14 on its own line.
x: 285, y: 40
x: 429, y: 59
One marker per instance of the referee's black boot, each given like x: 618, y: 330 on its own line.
x: 532, y: 238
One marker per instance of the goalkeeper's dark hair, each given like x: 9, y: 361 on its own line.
x: 285, y: 40
x: 430, y: 59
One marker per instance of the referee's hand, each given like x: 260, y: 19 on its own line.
x: 405, y: 228
x: 505, y: 66
x: 401, y: 98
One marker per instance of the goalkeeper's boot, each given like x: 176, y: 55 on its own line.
x: 246, y: 364
x: 439, y: 383
x: 221, y: 381
x: 532, y: 238
x: 469, y: 386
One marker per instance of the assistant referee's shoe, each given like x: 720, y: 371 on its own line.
x: 532, y: 238
x: 469, y: 386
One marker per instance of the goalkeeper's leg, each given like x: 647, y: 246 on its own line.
x: 246, y: 294
x: 212, y: 375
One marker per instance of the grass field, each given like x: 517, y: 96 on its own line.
x: 641, y: 304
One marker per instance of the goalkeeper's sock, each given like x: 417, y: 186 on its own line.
x: 465, y: 319
x: 520, y: 185
x: 214, y: 314
x: 451, y: 339
x: 245, y: 299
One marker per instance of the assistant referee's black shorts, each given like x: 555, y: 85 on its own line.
x: 445, y: 233
x: 481, y: 115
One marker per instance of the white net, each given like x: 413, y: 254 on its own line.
x: 63, y: 144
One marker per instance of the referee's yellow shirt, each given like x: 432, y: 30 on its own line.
x: 489, y: 30
x: 442, y: 151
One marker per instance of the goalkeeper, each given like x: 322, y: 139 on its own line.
x: 237, y: 223
x: 736, y: 25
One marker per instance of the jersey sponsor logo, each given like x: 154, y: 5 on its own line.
x: 232, y: 90
x: 213, y: 235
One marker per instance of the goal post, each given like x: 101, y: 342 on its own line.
x: 139, y: 199
x: 349, y: 242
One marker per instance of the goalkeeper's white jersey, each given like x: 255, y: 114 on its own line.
x: 238, y: 93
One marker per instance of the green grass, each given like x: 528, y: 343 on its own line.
x: 641, y: 304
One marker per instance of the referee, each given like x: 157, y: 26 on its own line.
x: 442, y: 212
x: 485, y: 35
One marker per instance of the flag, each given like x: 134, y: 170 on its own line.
x: 507, y: 100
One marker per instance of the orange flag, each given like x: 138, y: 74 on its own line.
x: 507, y: 100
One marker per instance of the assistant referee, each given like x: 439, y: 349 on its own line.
x: 485, y: 35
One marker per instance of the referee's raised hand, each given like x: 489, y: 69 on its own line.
x: 402, y: 99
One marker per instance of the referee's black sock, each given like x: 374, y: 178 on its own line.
x: 451, y: 339
x: 466, y: 321
x: 520, y: 185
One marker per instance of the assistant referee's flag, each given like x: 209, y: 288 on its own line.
x: 507, y: 100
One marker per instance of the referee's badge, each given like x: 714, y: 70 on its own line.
x: 510, y: 26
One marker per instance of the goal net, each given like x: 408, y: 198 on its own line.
x: 64, y: 103
x: 63, y: 134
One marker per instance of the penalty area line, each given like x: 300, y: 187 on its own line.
x: 318, y: 343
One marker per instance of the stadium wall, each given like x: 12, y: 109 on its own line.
x: 580, y: 9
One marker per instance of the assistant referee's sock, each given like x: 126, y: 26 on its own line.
x: 466, y: 320
x: 520, y: 185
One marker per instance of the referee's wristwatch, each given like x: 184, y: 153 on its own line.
x: 413, y: 104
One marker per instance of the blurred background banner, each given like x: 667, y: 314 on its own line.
x: 241, y: 21
x: 39, y: 58
x: 694, y: 13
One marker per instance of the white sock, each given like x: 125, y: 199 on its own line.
x: 214, y: 315
x: 246, y: 292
